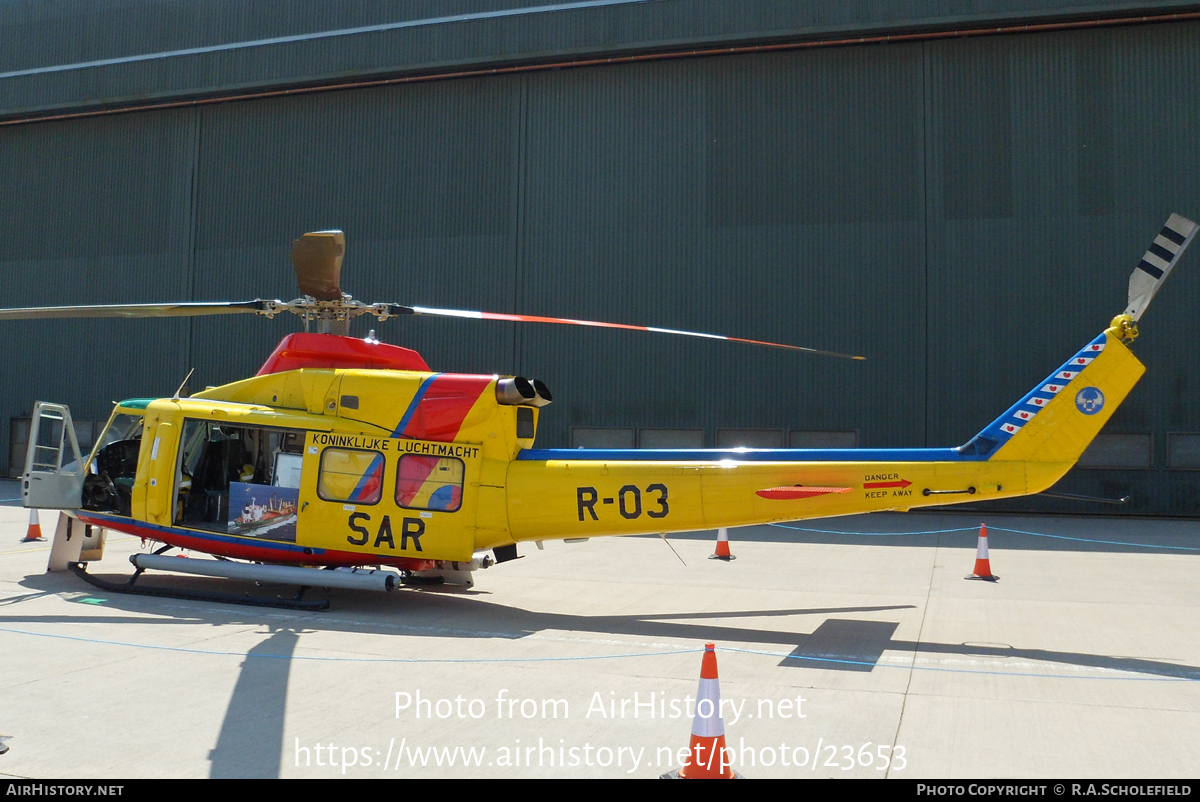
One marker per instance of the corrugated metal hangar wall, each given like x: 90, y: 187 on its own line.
x: 964, y: 211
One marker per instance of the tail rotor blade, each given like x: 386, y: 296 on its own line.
x: 1158, y: 263
x: 476, y: 315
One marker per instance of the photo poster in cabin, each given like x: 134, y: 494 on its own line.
x: 264, y: 511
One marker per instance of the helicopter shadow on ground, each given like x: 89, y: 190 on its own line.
x: 840, y: 642
x: 250, y: 740
x: 250, y: 744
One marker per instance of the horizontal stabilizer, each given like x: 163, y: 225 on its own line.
x: 783, y: 493
x: 1158, y: 262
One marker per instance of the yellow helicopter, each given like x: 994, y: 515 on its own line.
x: 351, y: 453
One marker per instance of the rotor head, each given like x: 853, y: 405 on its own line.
x: 317, y: 257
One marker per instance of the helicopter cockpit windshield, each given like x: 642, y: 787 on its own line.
x: 109, y: 483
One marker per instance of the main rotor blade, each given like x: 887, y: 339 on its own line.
x: 317, y: 257
x: 188, y: 309
x: 426, y: 310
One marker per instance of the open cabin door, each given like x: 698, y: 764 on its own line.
x: 54, y: 468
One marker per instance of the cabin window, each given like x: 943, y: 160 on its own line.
x: 239, y: 480
x: 429, y: 483
x: 351, y: 474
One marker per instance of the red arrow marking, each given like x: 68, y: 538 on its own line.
x: 901, y: 483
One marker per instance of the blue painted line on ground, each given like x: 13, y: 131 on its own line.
x: 990, y: 529
x: 876, y: 534
x: 217, y: 653
x: 1088, y: 540
x: 816, y: 659
x: 780, y: 655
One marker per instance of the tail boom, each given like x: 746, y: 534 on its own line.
x: 571, y: 493
x: 579, y: 497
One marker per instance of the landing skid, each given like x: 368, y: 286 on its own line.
x: 297, y: 603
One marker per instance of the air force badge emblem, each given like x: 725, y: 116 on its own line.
x: 1089, y: 401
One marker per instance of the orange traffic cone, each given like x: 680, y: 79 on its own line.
x: 983, y: 569
x: 722, y: 552
x: 707, y: 759
x: 35, y: 528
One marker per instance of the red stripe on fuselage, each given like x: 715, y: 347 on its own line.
x: 184, y: 539
x: 369, y: 487
x: 444, y: 407
x: 415, y: 470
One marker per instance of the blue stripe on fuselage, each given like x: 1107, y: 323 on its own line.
x: 376, y: 465
x: 412, y: 405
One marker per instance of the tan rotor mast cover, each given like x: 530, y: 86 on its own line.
x: 317, y: 257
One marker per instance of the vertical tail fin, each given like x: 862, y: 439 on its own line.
x: 1058, y: 418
